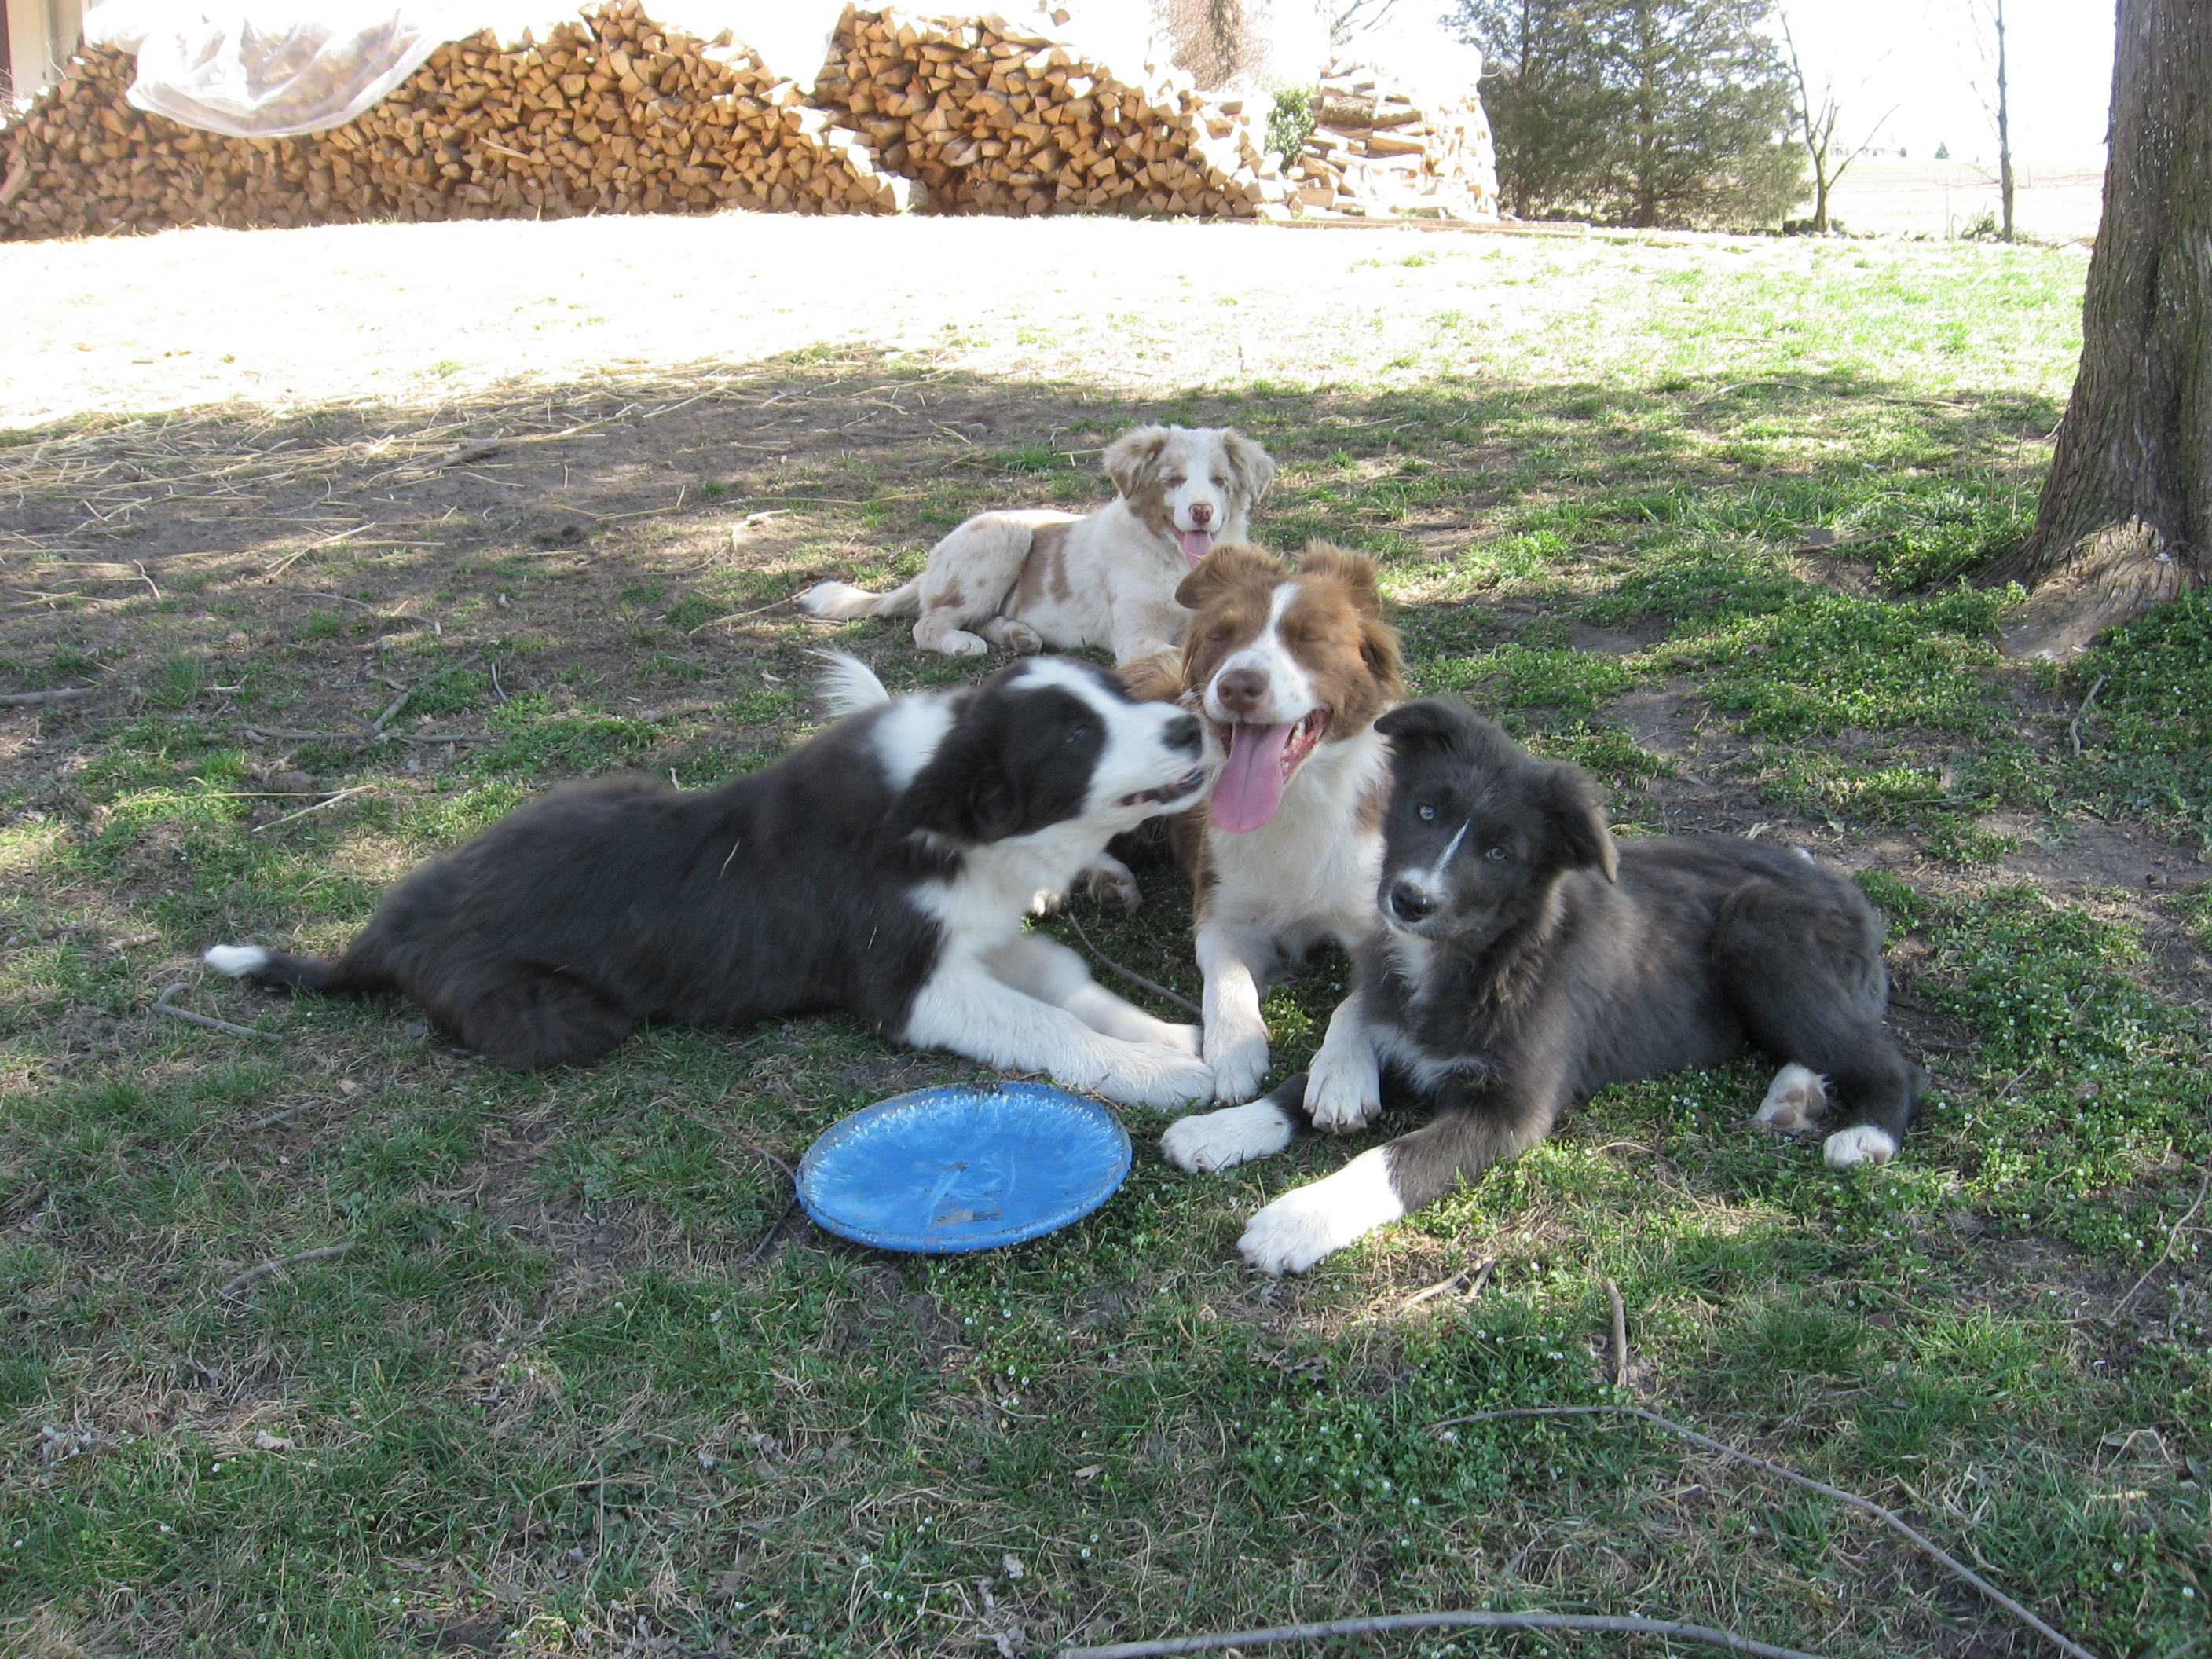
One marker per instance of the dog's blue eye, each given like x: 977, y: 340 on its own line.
x: 1497, y: 855
x: 1428, y: 815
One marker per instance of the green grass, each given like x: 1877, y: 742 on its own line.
x: 1714, y: 538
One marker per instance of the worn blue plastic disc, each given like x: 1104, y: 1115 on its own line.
x: 963, y: 1168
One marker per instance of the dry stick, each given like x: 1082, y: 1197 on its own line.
x: 1481, y: 1270
x: 2074, y: 726
x: 276, y: 1118
x: 163, y: 1006
x: 282, y: 1261
x: 2172, y: 1237
x: 1620, y: 1333
x: 332, y: 801
x: 67, y: 694
x: 1455, y: 1620
x: 776, y: 1226
x: 1866, y: 1506
x: 1156, y: 988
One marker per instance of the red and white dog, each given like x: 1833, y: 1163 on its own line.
x: 1025, y: 580
x: 1289, y: 668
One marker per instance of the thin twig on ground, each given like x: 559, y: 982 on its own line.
x: 331, y: 800
x: 1867, y: 1506
x: 782, y: 1215
x: 161, y: 1004
x: 2074, y: 726
x: 254, y: 1275
x: 276, y: 1118
x: 1134, y: 978
x: 1452, y: 1621
x: 1619, y: 1313
x: 67, y: 694
x: 1481, y: 1271
x: 2172, y: 1237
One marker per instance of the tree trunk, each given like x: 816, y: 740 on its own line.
x: 2004, y: 129
x: 2125, y: 521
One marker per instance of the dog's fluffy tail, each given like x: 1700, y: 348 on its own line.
x: 839, y: 600
x: 274, y: 969
x: 848, y: 685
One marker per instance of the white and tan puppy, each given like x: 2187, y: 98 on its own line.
x: 1026, y: 580
x: 1289, y: 668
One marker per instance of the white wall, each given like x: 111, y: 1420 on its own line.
x: 41, y: 35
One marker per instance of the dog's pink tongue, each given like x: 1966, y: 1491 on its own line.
x: 1250, y: 786
x: 1196, y: 544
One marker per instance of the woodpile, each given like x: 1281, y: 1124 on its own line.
x: 996, y: 117
x: 614, y: 114
x: 609, y: 114
x: 1377, y: 151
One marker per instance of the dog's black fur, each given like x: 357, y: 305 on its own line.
x: 548, y: 938
x: 1541, y: 961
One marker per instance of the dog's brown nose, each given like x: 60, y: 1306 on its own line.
x: 1240, y: 690
x: 1201, y: 513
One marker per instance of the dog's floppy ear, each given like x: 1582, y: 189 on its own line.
x: 966, y: 794
x: 1254, y: 467
x: 1355, y: 570
x: 1230, y: 562
x: 1131, y: 455
x: 1574, y: 813
x: 1431, y: 722
x: 1378, y: 649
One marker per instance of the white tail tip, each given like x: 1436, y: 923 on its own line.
x: 848, y: 685
x: 236, y: 960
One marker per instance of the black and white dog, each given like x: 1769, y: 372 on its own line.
x: 1525, y: 961
x: 884, y: 868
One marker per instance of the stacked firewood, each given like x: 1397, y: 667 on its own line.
x: 616, y: 113
x: 611, y: 114
x: 996, y: 117
x: 1376, y: 151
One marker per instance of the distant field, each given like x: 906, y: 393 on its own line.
x: 1696, y: 511
x: 1943, y: 199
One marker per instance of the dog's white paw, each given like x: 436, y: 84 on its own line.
x: 1310, y: 1222
x: 1150, y: 1075
x: 1019, y: 637
x: 1344, y: 1088
x: 1220, y: 1140
x: 1861, y: 1143
x: 1111, y: 882
x: 1238, y: 1062
x: 1796, y: 1100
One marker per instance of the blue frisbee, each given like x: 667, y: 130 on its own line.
x: 969, y: 1167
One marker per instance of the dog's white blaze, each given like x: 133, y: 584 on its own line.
x: 1863, y: 1143
x: 1310, y: 1222
x: 236, y: 960
x: 1289, y: 689
x: 848, y: 685
x: 906, y: 737
x: 1223, y: 1139
x: 1199, y: 459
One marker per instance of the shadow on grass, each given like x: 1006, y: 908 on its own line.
x: 550, y: 1394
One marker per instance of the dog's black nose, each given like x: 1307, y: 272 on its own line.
x: 1184, y: 733
x: 1410, y: 903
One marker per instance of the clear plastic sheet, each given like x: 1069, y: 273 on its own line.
x: 277, y: 68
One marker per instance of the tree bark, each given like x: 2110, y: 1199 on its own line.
x: 2004, y: 129
x: 2125, y: 520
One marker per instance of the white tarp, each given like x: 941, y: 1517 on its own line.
x: 277, y: 68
